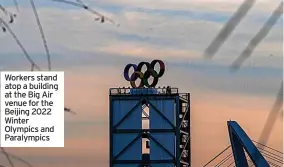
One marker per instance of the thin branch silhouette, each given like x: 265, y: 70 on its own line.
x: 45, y: 45
x: 3, y: 10
x: 101, y: 18
x: 69, y: 110
x: 16, y: 4
x: 34, y: 66
x: 12, y: 156
x: 82, y: 5
x: 42, y: 34
x: 9, y: 14
x: 20, y: 159
x: 79, y: 1
x: 19, y: 43
x: 7, y: 157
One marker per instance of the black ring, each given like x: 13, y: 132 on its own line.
x: 147, y: 75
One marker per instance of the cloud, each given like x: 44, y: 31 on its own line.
x: 212, y: 5
x: 144, y: 51
x: 255, y: 79
x: 141, y: 33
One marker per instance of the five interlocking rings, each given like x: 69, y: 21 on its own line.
x: 146, y: 75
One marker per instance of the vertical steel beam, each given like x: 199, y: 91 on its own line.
x: 177, y: 125
x: 189, y: 129
x: 110, y: 132
x: 238, y: 151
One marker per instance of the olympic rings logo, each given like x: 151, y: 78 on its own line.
x: 144, y: 77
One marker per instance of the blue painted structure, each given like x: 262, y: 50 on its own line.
x: 240, y: 142
x: 167, y: 136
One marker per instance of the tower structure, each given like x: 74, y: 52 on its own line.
x: 149, y: 126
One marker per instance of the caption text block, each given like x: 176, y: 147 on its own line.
x: 32, y: 109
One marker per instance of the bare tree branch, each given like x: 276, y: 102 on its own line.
x: 19, y: 43
x: 81, y: 5
x: 7, y: 157
x: 42, y: 34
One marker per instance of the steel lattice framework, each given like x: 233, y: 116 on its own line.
x: 166, y: 140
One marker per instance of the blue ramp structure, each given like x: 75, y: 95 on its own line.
x: 149, y: 127
x: 240, y: 142
x: 243, y: 150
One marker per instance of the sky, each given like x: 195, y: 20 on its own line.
x: 93, y: 56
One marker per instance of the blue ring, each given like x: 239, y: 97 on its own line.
x: 126, y: 72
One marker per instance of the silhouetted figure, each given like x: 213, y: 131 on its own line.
x: 168, y: 90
